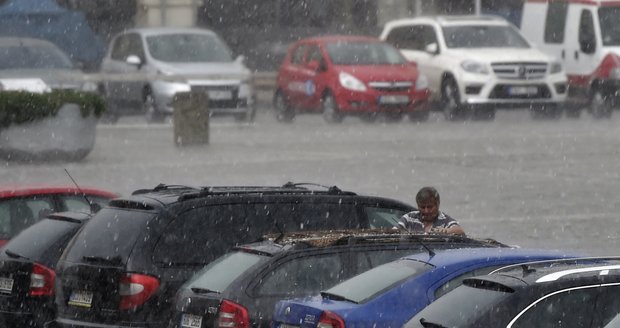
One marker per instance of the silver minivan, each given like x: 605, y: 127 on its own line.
x: 145, y: 67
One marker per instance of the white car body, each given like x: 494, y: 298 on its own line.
x: 523, y: 75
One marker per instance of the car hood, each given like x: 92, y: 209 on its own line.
x: 498, y: 55
x: 381, y: 72
x: 229, y: 70
x: 54, y: 78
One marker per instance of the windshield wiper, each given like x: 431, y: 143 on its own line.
x: 199, y: 290
x: 15, y: 255
x: 428, y: 324
x: 335, y: 297
x: 100, y: 259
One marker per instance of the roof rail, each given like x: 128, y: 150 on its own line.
x: 331, y: 190
x: 532, y: 266
x: 160, y: 187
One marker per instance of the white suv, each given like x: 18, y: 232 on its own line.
x: 475, y: 64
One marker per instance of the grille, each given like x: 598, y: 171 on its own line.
x: 520, y: 71
x: 391, y: 86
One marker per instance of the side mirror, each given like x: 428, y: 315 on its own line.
x: 432, y: 48
x: 133, y: 60
x: 240, y: 59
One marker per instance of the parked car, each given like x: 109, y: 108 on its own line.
x: 127, y: 263
x: 585, y: 36
x: 390, y: 294
x: 244, y: 284
x: 476, y: 64
x: 39, y: 60
x: 27, y: 269
x: 148, y: 66
x: 349, y: 75
x: 568, y: 293
x: 22, y: 206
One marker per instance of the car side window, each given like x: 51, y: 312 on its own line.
x: 587, y: 36
x: 120, y: 49
x: 17, y: 214
x: 298, y: 55
x: 458, y: 280
x: 555, y: 23
x: 570, y: 308
x: 608, y: 307
x: 414, y: 37
x: 135, y: 46
x: 302, y: 275
x: 79, y: 204
x: 386, y: 218
x: 314, y: 54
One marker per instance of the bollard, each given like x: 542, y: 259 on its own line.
x: 190, y: 119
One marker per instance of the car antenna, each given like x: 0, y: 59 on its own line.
x: 94, y: 207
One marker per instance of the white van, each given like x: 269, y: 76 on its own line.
x: 585, y: 36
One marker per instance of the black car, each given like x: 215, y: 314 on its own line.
x: 580, y: 293
x: 124, y: 268
x: 27, y: 269
x: 240, y: 288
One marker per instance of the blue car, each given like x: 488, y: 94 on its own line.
x: 390, y: 294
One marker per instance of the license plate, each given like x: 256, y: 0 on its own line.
x: 522, y: 90
x: 6, y: 285
x: 220, y: 94
x: 191, y: 321
x: 81, y: 298
x: 393, y: 99
x: 284, y: 325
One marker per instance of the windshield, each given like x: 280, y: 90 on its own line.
x: 367, y: 285
x: 188, y: 48
x: 610, y: 29
x: 218, y: 275
x: 483, y: 36
x: 364, y: 53
x: 32, y: 57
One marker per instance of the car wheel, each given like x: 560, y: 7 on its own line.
x: 484, y: 113
x: 546, y: 111
x: 369, y: 117
x: 393, y: 117
x: 451, y: 105
x: 331, y: 113
x: 152, y: 114
x: 284, y: 111
x: 600, y: 105
x: 419, y: 116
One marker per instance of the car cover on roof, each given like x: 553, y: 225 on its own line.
x: 45, y: 19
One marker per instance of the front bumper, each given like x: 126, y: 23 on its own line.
x: 373, y: 101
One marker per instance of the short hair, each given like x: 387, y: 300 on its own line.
x: 427, y: 194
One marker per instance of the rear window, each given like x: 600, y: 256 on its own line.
x: 367, y: 285
x: 218, y: 275
x: 44, y: 241
x: 109, y: 235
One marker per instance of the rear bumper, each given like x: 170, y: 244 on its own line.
x: 69, y: 323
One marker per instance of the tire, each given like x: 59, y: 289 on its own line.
x: 547, y: 111
x: 283, y: 110
x: 331, y: 113
x: 369, y: 117
x: 601, y: 106
x: 393, y: 117
x: 419, y: 116
x: 484, y: 113
x: 451, y: 105
x: 150, y: 110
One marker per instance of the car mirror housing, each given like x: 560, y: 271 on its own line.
x: 133, y: 60
x: 240, y: 59
x: 432, y: 48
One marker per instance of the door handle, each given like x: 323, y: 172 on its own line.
x: 563, y: 53
x: 576, y: 54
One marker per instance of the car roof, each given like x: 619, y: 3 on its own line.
x: 584, y: 2
x: 445, y: 20
x: 25, y: 41
x: 148, y: 31
x: 278, y: 243
x: 341, y: 38
x: 8, y: 191
x: 164, y: 195
x: 473, y: 255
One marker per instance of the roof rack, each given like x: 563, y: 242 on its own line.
x: 161, y: 187
x: 288, y: 187
x: 331, y: 190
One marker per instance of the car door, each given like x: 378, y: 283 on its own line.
x: 124, y: 83
x: 583, y: 52
x: 291, y: 77
x: 313, y: 76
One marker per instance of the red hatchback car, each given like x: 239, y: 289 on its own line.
x: 22, y: 206
x: 349, y: 75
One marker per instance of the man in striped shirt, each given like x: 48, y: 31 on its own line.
x: 428, y: 218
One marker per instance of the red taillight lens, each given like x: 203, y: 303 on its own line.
x: 232, y: 315
x: 330, y: 320
x: 42, y: 280
x: 135, y: 289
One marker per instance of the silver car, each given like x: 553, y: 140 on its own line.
x: 145, y: 67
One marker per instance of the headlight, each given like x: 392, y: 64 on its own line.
x: 350, y: 82
x: 615, y: 73
x: 555, y: 67
x: 89, y: 87
x: 422, y: 82
x: 474, y: 67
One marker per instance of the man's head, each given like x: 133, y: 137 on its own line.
x: 428, y: 203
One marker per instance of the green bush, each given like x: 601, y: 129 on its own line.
x: 17, y: 107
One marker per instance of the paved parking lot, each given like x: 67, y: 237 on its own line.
x: 551, y: 184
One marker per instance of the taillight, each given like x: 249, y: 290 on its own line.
x: 42, y: 280
x: 232, y: 315
x: 135, y: 289
x: 330, y: 320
